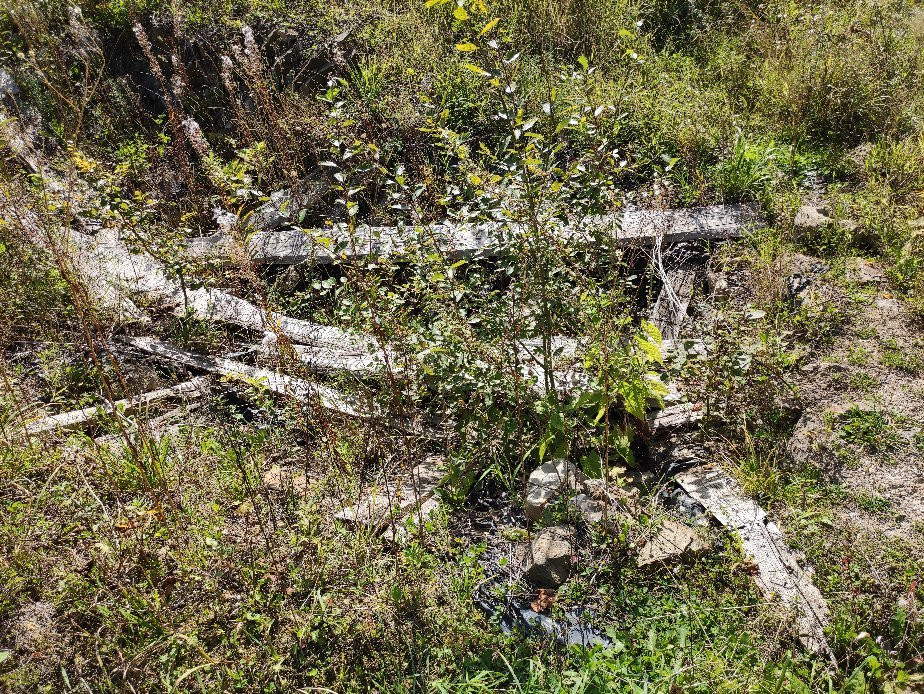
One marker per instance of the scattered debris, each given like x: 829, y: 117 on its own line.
x: 77, y: 419
x: 550, y: 556
x: 548, y: 482
x: 516, y: 616
x: 779, y: 574
x: 393, y: 500
x: 302, y: 390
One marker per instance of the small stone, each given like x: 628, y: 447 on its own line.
x: 867, y: 272
x: 796, y: 284
x: 547, y: 483
x: 550, y: 563
x: 592, y: 510
x: 674, y: 540
x: 810, y: 218
x: 717, y: 284
x: 284, y: 479
x: 755, y: 314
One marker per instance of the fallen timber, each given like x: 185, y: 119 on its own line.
x: 670, y: 308
x: 78, y: 419
x: 322, y: 246
x: 779, y: 575
x: 283, y: 384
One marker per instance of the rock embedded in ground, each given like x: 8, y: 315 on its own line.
x: 547, y: 483
x: 672, y: 541
x: 550, y: 562
x: 866, y: 272
x: 591, y: 510
x: 810, y: 218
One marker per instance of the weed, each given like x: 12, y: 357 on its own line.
x: 868, y: 429
x: 873, y: 503
x: 902, y: 359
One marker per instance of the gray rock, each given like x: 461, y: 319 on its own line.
x: 868, y: 273
x: 717, y: 284
x: 672, y: 542
x: 796, y: 284
x: 592, y: 510
x: 550, y: 563
x: 811, y: 218
x: 548, y: 482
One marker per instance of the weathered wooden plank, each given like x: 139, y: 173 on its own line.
x: 670, y: 308
x: 300, y: 389
x: 321, y: 246
x: 779, y: 574
x: 675, y: 416
x: 78, y: 419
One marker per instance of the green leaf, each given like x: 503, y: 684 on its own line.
x: 477, y: 70
x: 652, y: 331
x: 584, y: 63
x: 634, y: 395
x: 433, y: 3
x: 650, y: 349
x: 490, y: 25
x: 466, y: 47
x: 460, y: 13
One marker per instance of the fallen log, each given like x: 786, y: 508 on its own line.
x: 464, y: 240
x: 300, y: 389
x: 78, y: 419
x: 778, y: 572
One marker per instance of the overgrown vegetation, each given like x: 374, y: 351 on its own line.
x: 200, y: 553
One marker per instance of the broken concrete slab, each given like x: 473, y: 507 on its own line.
x: 631, y: 227
x: 675, y: 416
x: 550, y: 561
x: 779, y: 575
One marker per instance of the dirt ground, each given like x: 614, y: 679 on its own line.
x: 862, y: 401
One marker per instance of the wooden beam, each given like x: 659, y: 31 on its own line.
x: 78, y: 419
x: 779, y: 575
x: 670, y: 308
x: 323, y: 246
x: 300, y: 389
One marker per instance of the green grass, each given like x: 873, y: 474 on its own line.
x: 868, y: 429
x: 172, y: 567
